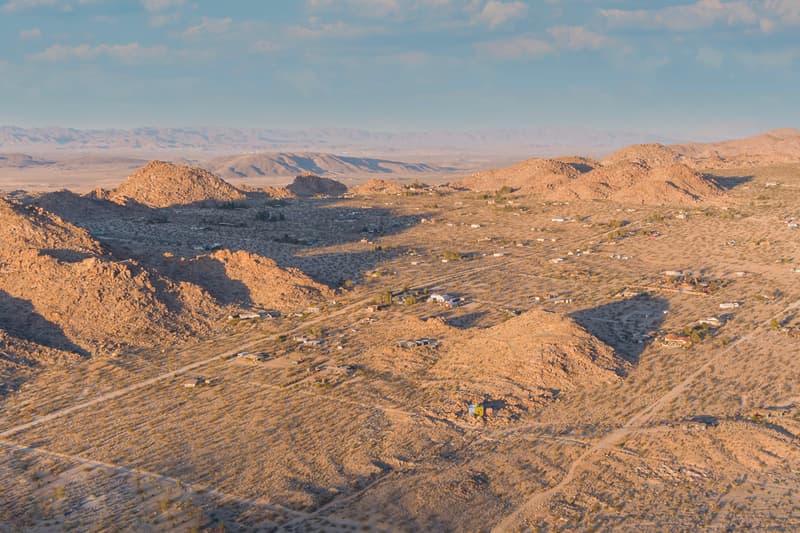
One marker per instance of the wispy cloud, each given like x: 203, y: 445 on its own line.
x: 163, y: 12
x: 519, y: 47
x: 160, y: 20
x: 207, y: 26
x: 579, y: 38
x: 127, y: 53
x: 366, y: 8
x: 785, y: 12
x: 161, y: 5
x: 21, y: 5
x: 496, y: 13
x: 33, y: 33
x: 334, y: 30
x: 696, y: 16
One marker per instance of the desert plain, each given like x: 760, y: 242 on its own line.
x: 563, y: 344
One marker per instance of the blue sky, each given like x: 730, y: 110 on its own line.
x: 704, y: 67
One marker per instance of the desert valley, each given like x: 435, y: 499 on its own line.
x: 295, y: 341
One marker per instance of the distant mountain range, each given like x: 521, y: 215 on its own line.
x: 293, y: 164
x: 219, y: 141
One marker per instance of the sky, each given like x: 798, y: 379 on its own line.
x: 686, y: 68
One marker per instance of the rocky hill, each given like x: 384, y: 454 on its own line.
x: 377, y: 186
x: 770, y: 148
x: 521, y: 363
x: 642, y: 174
x: 63, y: 295
x: 532, y: 176
x: 526, y: 358
x: 243, y: 278
x: 162, y: 184
x: 638, y: 183
x: 311, y: 185
x: 652, y: 155
x: 86, y: 300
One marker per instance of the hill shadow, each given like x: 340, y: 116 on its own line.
x: 293, y: 232
x: 20, y: 319
x: 65, y: 256
x: 466, y: 321
x: 583, y: 168
x: 730, y: 182
x: 624, y: 325
x: 209, y: 274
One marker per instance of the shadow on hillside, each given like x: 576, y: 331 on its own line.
x: 583, y: 168
x: 20, y: 320
x: 624, y: 325
x: 66, y: 256
x: 731, y: 182
x: 467, y: 321
x: 209, y: 274
x: 293, y: 232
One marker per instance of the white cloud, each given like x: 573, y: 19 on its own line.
x: 209, y: 25
x: 519, y: 47
x: 579, y: 38
x: 429, y: 12
x: 334, y: 30
x: 127, y: 53
x: 159, y: 20
x: 19, y: 5
x: 699, y: 15
x: 496, y: 13
x: 786, y: 11
x: 33, y: 33
x: 161, y: 5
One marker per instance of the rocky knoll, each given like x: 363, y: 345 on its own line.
x: 162, y: 184
x: 311, y: 185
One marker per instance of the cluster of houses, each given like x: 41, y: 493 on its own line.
x: 415, y: 343
x: 480, y: 410
x: 258, y: 357
x: 693, y: 333
x: 249, y: 315
x: 688, y: 281
x: 791, y: 331
x: 198, y: 381
x: 445, y: 300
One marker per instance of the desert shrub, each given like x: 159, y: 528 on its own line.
x: 265, y: 215
x: 452, y: 256
x: 616, y: 223
x: 157, y: 218
x: 232, y: 204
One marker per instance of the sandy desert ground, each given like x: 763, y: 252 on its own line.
x: 634, y: 345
